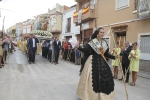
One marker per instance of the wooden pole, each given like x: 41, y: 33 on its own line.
x: 121, y: 69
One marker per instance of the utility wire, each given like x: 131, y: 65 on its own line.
x: 17, y: 11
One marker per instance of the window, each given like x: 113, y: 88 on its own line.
x: 120, y: 4
x: 144, y: 44
x: 68, y: 27
x: 28, y: 30
x: 24, y: 30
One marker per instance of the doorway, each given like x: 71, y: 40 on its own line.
x: 121, y: 38
x: 68, y: 37
x: 88, y: 33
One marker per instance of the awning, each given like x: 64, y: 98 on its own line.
x: 119, y: 25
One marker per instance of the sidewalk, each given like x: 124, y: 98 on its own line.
x: 140, y: 73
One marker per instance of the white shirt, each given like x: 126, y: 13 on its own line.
x: 126, y: 48
x: 33, y: 39
x: 50, y: 48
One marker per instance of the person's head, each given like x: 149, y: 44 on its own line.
x: 134, y: 45
x: 56, y: 38
x: 99, y: 33
x: 67, y: 40
x: 117, y: 44
x: 33, y: 36
x: 126, y: 44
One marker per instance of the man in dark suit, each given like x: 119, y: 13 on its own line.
x: 32, y: 47
x: 125, y: 61
x: 57, y: 47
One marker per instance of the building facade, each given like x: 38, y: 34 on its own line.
x: 11, y: 31
x: 68, y: 25
x: 27, y: 28
x: 129, y: 21
x: 55, y: 18
x: 18, y: 29
x: 120, y: 15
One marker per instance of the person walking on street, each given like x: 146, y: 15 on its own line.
x: 1, y: 50
x: 50, y: 51
x: 66, y: 46
x: 57, y: 47
x: 96, y: 81
x: 85, y: 54
x: 134, y: 57
x: 115, y: 63
x: 53, y: 54
x: 5, y: 49
x: 32, y: 46
x: 125, y: 61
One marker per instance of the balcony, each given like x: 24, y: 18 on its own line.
x: 87, y: 14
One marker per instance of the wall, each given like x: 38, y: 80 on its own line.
x: 108, y: 14
x: 66, y: 15
x: 58, y: 22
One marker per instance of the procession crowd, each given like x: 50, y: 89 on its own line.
x: 6, y: 47
x: 52, y: 49
x: 91, y: 54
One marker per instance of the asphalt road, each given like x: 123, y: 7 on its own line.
x: 45, y: 81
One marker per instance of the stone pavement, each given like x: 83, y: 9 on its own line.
x: 45, y: 81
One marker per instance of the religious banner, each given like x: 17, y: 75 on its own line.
x: 143, y: 9
x: 77, y: 30
x: 73, y: 41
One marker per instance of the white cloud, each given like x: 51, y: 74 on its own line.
x: 26, y: 9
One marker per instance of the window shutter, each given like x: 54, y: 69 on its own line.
x: 145, y: 44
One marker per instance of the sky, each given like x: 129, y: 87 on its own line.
x: 22, y: 10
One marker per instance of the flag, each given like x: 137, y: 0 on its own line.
x: 73, y: 41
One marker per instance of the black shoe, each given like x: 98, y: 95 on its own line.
x: 80, y: 74
x: 127, y: 81
x: 121, y: 79
x: 131, y: 84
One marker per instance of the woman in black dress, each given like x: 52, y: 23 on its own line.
x: 96, y: 81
